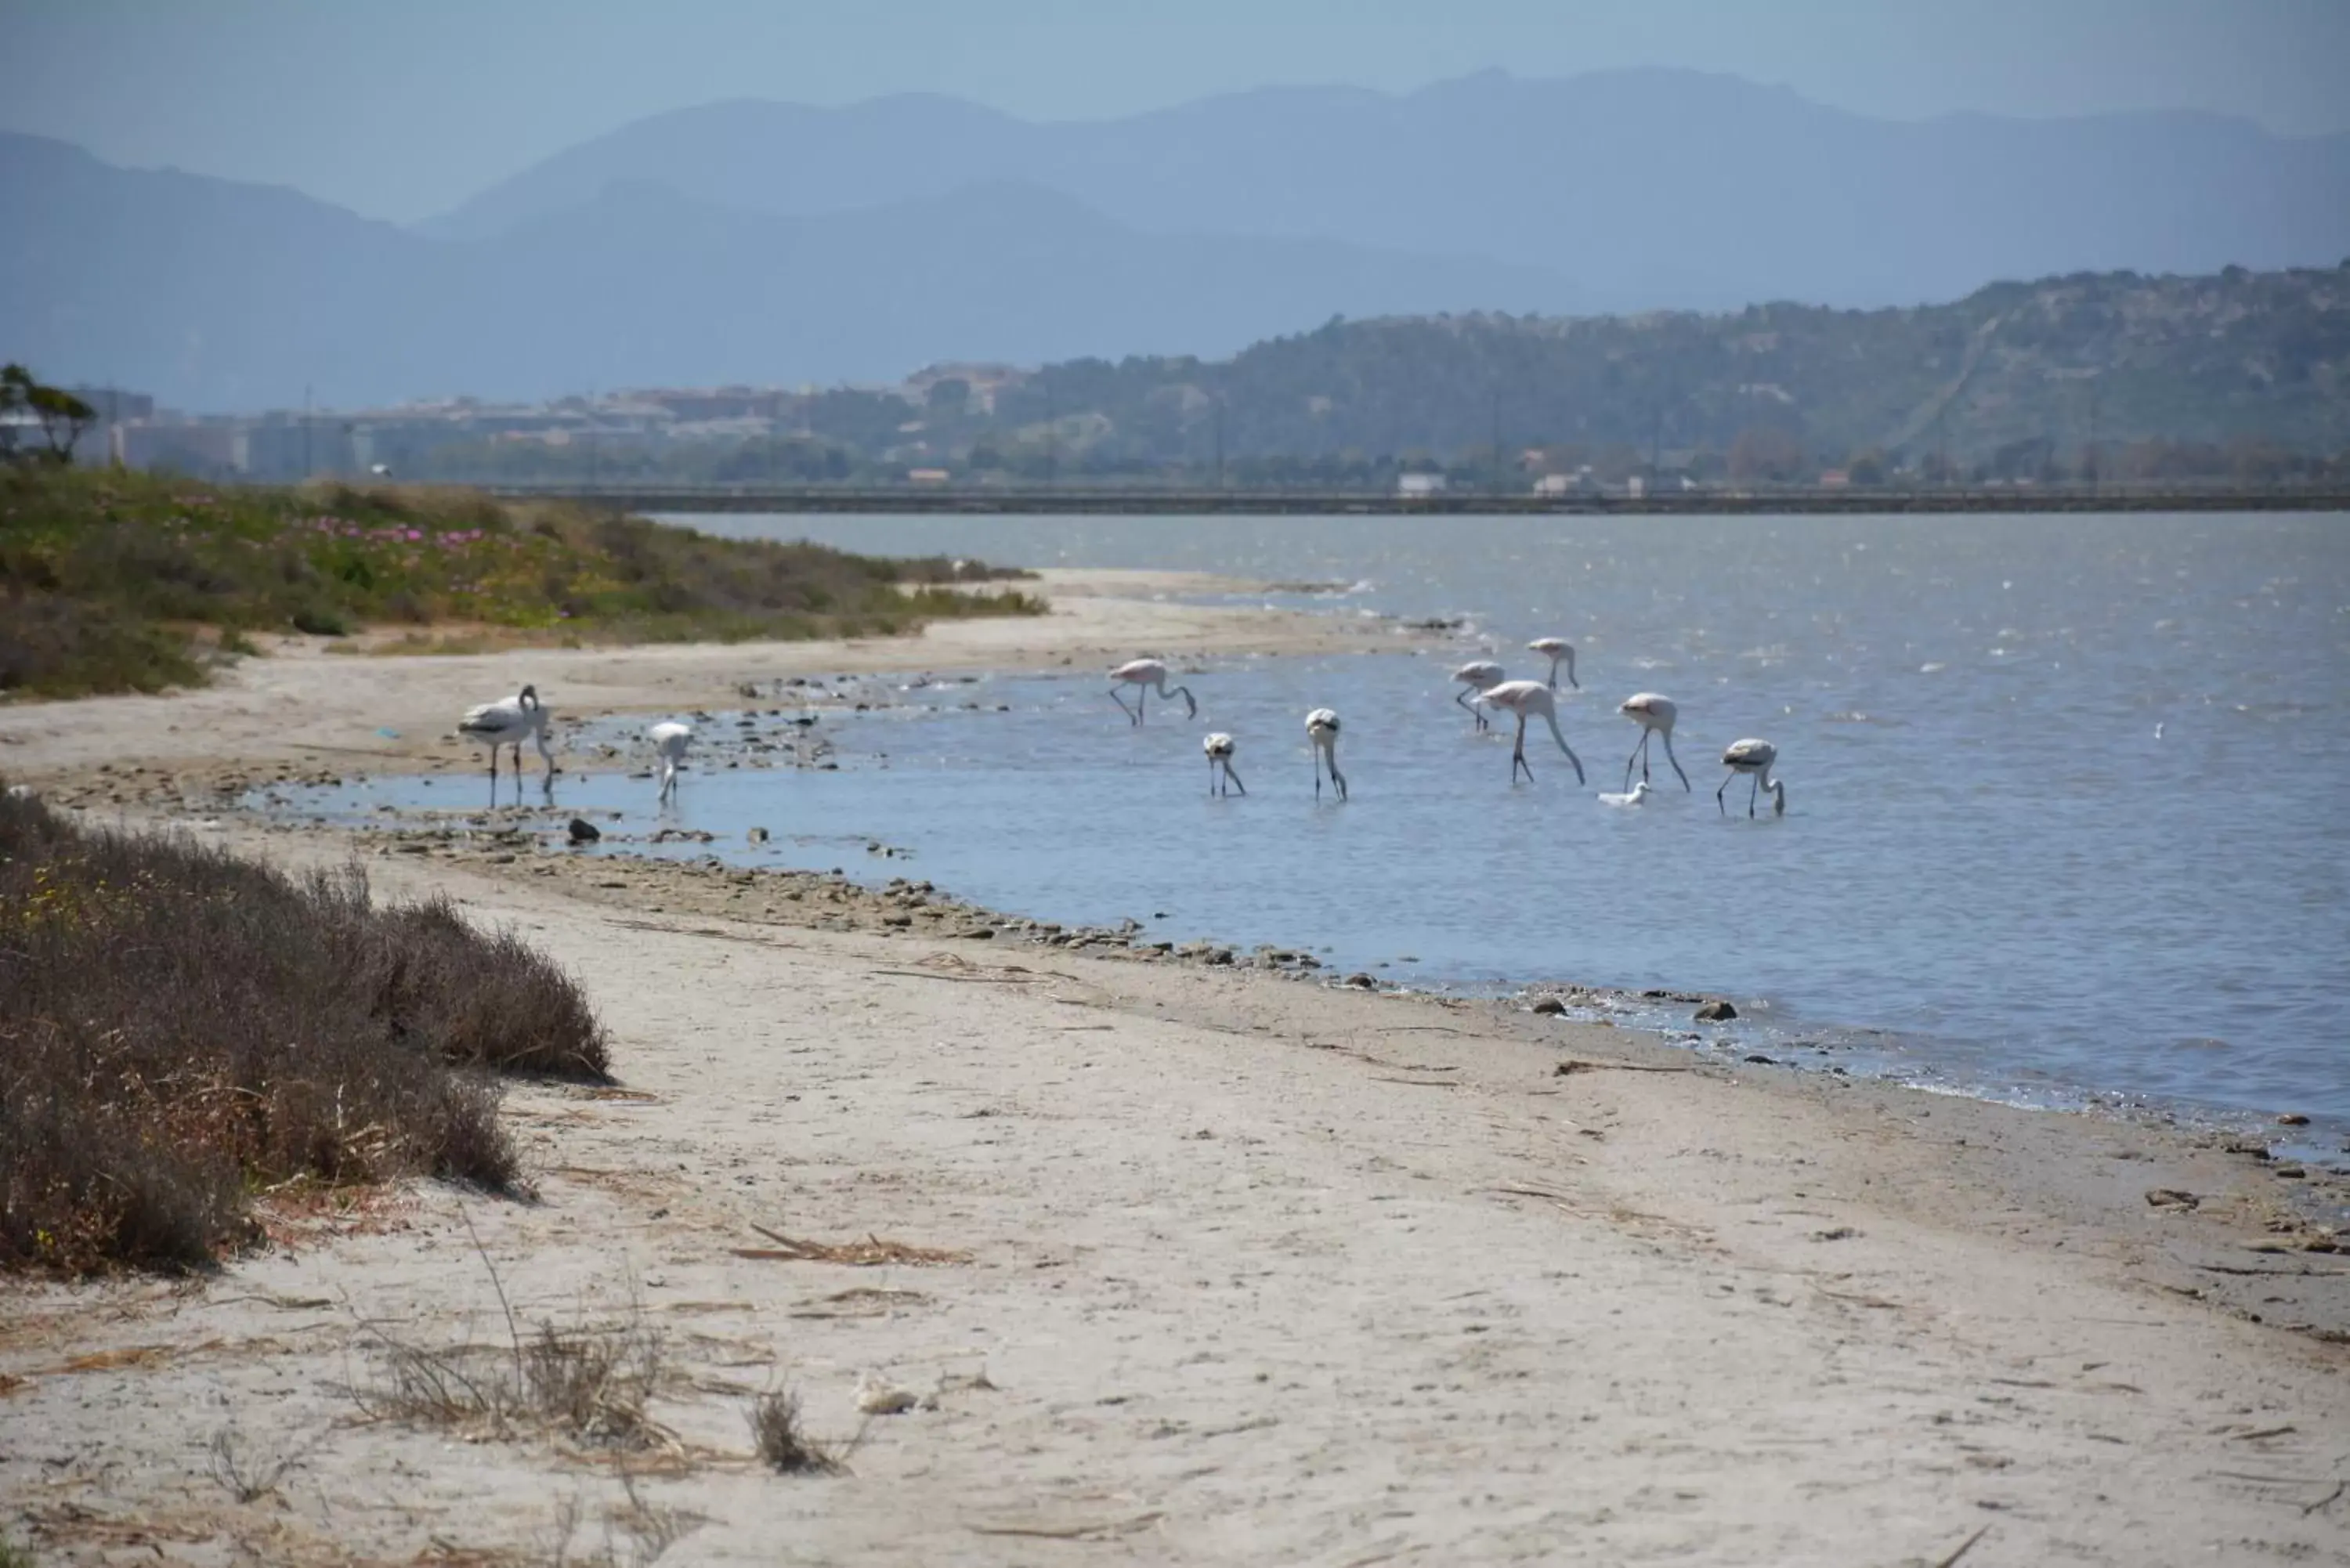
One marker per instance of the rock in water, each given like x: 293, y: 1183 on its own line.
x: 758, y: 835
x: 1716, y: 1012
x: 584, y: 831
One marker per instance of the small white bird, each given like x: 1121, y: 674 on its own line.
x: 1146, y: 674
x: 1477, y: 675
x: 1526, y: 699
x: 1655, y: 715
x: 1639, y: 793
x: 1219, y: 747
x: 1322, y: 729
x: 1755, y: 760
x: 508, y: 723
x: 2158, y: 732
x: 670, y: 740
x: 1557, y: 649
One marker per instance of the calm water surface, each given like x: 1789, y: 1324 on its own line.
x: 1990, y: 851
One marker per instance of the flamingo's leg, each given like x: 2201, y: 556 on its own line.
x: 1717, y: 795
x: 1122, y: 707
x: 1754, y: 788
x: 1233, y: 779
x: 1631, y: 760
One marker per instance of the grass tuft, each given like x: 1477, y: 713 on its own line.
x: 784, y: 1444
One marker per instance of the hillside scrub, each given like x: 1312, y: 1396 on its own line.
x: 108, y: 579
x: 181, y: 1029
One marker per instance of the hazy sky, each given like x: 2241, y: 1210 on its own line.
x: 400, y: 109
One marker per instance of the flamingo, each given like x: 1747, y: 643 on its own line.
x: 1322, y: 728
x: 1525, y: 699
x: 1477, y: 675
x: 1219, y: 747
x: 1655, y: 715
x: 1558, y: 651
x: 1755, y: 759
x: 670, y: 740
x: 1145, y: 674
x: 1639, y: 793
x: 504, y: 722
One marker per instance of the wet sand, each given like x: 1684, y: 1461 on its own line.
x: 1255, y: 1264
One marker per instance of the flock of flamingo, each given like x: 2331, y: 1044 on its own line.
x: 511, y: 721
x: 1484, y: 685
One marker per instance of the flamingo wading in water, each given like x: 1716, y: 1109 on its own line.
x: 1526, y: 699
x: 1477, y: 675
x: 1755, y: 759
x: 1322, y: 728
x: 1558, y: 651
x: 1145, y: 674
x: 505, y: 722
x: 1219, y: 747
x: 1655, y: 715
x: 670, y: 740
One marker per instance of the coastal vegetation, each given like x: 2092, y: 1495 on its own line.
x: 2239, y: 375
x: 185, y: 1030
x: 115, y: 581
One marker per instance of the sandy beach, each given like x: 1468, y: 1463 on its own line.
x: 1186, y: 1261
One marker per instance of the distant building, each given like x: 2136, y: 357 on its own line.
x: 1555, y: 484
x: 1636, y: 487
x: 927, y: 476
x: 1419, y: 485
x: 1834, y: 478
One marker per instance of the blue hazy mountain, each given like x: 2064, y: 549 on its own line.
x: 216, y: 295
x: 1650, y: 189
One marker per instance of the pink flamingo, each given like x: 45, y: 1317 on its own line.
x: 1145, y: 674
x: 1655, y: 715
x: 1526, y: 699
x: 1477, y: 675
x: 1755, y: 759
x: 1557, y: 649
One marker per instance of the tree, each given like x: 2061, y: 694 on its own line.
x: 62, y: 416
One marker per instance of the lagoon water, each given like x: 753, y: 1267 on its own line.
x: 2069, y: 797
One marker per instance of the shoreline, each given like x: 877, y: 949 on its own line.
x: 1221, y: 1225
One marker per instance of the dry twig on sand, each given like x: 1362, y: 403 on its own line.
x: 872, y: 1251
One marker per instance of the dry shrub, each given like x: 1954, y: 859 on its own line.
x: 782, y: 1443
x: 180, y: 1028
x: 591, y: 1384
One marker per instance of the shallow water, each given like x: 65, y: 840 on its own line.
x: 1988, y: 850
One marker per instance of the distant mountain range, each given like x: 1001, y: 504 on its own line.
x: 776, y: 244
x: 219, y: 296
x: 1645, y: 189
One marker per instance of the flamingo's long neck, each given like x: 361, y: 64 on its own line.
x: 1556, y: 733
